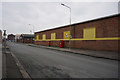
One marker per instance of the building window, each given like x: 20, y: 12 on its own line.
x: 44, y: 37
x: 37, y: 37
x: 66, y: 35
x: 89, y: 33
x: 53, y: 35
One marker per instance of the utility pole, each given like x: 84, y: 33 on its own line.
x: 70, y: 25
x: 33, y: 32
x: 4, y: 34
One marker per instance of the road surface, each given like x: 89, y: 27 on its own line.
x: 47, y: 63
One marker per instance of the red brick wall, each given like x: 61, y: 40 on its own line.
x: 28, y: 40
x: 107, y: 27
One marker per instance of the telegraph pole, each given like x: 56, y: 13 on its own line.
x: 33, y: 32
x: 70, y: 24
x: 4, y: 34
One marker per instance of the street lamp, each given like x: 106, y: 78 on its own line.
x: 33, y: 32
x: 70, y: 25
x: 33, y: 27
x: 4, y: 34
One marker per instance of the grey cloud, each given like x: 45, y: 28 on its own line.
x: 46, y: 15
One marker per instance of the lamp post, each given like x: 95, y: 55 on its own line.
x: 33, y: 27
x: 4, y: 34
x: 33, y: 32
x: 70, y: 25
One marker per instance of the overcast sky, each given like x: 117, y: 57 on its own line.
x: 16, y: 16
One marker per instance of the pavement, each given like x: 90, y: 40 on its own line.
x: 42, y: 62
x: 99, y: 54
x: 10, y: 69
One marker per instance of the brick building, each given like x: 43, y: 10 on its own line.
x: 17, y: 38
x: 11, y: 38
x: 26, y: 38
x: 97, y: 34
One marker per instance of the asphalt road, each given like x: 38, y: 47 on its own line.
x: 46, y: 63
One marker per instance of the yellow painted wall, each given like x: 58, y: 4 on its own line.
x: 89, y: 33
x: 44, y: 37
x: 37, y: 37
x: 53, y: 36
x: 66, y: 35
